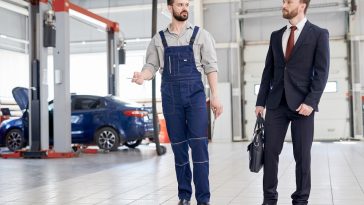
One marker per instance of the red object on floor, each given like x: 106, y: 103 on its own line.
x: 89, y: 151
x: 163, y: 134
x: 12, y: 155
x: 53, y: 154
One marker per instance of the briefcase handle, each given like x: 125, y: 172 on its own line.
x: 258, y: 130
x: 259, y: 124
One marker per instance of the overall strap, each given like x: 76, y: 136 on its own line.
x: 164, y: 41
x: 193, y: 37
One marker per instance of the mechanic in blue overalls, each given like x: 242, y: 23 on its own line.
x: 183, y: 52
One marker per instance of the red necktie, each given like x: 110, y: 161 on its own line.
x: 290, y: 43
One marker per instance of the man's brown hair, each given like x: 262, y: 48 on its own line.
x: 170, y: 2
x: 307, y: 2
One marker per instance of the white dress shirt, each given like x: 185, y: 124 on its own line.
x: 297, y: 33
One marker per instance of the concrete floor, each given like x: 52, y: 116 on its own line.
x: 141, y: 177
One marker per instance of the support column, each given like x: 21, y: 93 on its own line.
x: 38, y: 98
x: 43, y: 73
x: 355, y: 58
x: 62, y: 96
x: 160, y: 149
x: 112, y: 63
x: 356, y: 89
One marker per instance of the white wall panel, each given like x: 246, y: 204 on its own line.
x: 222, y: 130
x: 12, y: 24
x: 14, y: 71
x: 360, y: 18
x: 223, y: 25
x: 260, y: 27
x: 253, y: 5
x: 360, y: 14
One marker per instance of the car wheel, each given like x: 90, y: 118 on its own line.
x: 15, y: 140
x: 107, y: 138
x: 133, y: 144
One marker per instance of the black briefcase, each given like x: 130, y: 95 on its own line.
x: 256, y: 147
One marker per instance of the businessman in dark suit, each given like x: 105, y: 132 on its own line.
x: 293, y: 80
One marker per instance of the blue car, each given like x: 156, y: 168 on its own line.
x: 106, y: 121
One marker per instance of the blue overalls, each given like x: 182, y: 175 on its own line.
x: 184, y: 108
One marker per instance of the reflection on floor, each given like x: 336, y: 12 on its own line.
x: 139, y: 176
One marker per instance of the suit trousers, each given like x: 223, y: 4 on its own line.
x: 302, y: 129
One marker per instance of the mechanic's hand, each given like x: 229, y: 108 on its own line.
x: 259, y: 110
x: 216, y: 106
x: 304, y: 109
x: 138, y: 78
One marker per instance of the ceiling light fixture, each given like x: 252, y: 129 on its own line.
x: 88, y: 19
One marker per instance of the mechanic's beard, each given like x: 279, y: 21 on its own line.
x: 180, y: 17
x: 290, y: 15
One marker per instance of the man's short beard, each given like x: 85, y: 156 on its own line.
x: 290, y: 15
x: 180, y: 17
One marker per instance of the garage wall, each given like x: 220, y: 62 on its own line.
x: 12, y: 28
x: 220, y: 19
x: 14, y: 71
x: 269, y: 18
x: 360, y: 19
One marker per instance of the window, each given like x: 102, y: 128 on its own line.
x: 87, y: 104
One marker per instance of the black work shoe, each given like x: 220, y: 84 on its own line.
x: 198, y: 203
x: 183, y: 202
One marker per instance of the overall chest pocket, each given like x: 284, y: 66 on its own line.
x: 186, y: 63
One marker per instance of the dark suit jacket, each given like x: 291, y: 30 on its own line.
x: 303, y: 77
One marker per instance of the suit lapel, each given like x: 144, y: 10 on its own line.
x: 301, y: 38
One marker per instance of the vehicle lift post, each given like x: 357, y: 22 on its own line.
x: 160, y: 149
x: 62, y: 94
x: 38, y: 106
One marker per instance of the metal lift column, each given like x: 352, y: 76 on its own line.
x: 160, y: 149
x: 38, y: 98
x: 112, y: 63
x: 356, y: 84
x: 62, y: 96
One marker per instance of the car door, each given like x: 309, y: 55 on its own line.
x: 86, y: 110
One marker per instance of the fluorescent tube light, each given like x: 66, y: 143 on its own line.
x: 88, y: 19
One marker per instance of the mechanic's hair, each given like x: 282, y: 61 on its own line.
x: 307, y: 2
x: 170, y: 2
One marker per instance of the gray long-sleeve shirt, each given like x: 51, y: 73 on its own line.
x: 203, y: 49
